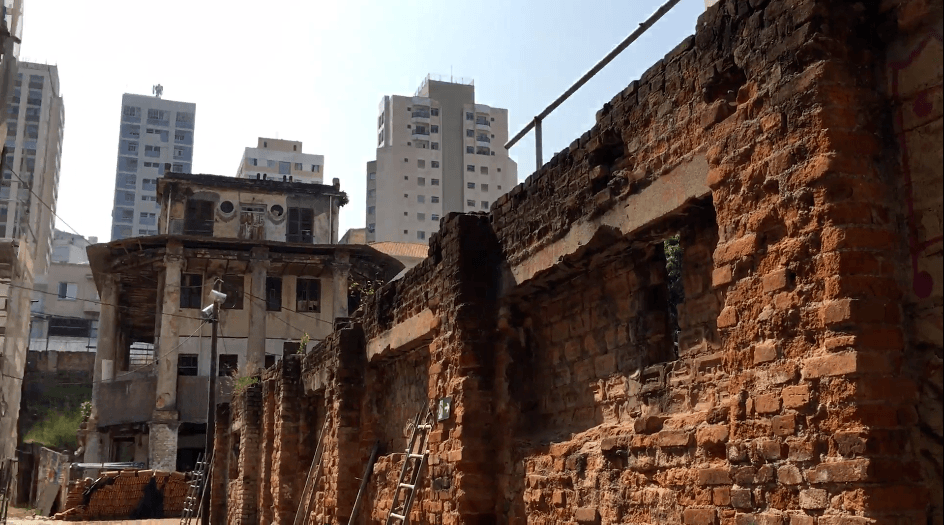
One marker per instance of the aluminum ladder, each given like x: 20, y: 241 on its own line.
x: 193, y: 502
x: 311, y: 483
x: 416, y: 455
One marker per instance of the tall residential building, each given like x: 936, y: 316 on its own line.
x: 35, y: 121
x: 156, y: 136
x: 437, y: 152
x: 275, y: 159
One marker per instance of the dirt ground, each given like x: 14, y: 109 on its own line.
x: 18, y: 516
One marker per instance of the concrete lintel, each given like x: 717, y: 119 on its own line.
x: 411, y: 333
x: 666, y: 194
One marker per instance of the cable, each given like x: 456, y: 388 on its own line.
x: 156, y: 359
x: 29, y: 186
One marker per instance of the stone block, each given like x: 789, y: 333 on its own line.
x: 796, y: 397
x: 587, y: 516
x: 742, y: 498
x: 721, y: 496
x: 673, y: 438
x: 776, y: 280
x: 767, y: 404
x: 713, y: 476
x: 711, y: 435
x: 839, y: 472
x: 765, y: 351
x: 789, y: 475
x: 814, y: 499
x: 648, y: 424
x: 784, y: 425
x: 699, y: 517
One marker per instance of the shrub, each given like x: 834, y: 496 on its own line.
x: 58, y: 429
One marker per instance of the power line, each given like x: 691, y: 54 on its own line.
x: 155, y: 361
x: 29, y: 186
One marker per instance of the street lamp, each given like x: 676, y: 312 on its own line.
x: 210, y: 314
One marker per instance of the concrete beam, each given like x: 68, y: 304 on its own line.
x: 665, y: 195
x: 403, y: 337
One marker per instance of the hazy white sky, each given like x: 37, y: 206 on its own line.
x: 315, y: 71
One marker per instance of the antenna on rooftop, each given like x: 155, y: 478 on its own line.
x: 157, y: 90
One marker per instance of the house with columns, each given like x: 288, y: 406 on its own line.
x: 271, y: 247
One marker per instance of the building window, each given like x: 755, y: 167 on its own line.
x: 421, y: 199
x: 434, y: 164
x: 371, y: 176
x: 434, y: 199
x: 470, y: 185
x: 499, y: 170
x: 301, y: 223
x: 420, y: 163
x: 484, y: 205
x: 420, y: 235
x: 273, y: 294
x: 69, y: 327
x: 228, y: 364
x: 371, y: 210
x: 470, y: 133
x: 232, y: 286
x: 421, y: 216
x: 198, y: 217
x: 470, y: 167
x: 371, y: 193
x: 483, y: 187
x: 434, y: 217
x: 434, y: 145
x: 298, y: 166
x: 307, y: 295
x: 469, y: 149
x: 434, y: 129
x: 434, y: 112
x: 132, y: 146
x: 186, y: 364
x: 315, y: 168
x: 372, y: 227
x: 67, y: 291
x: 483, y: 170
x: 470, y: 203
x: 191, y: 290
x: 421, y: 181
x: 469, y: 116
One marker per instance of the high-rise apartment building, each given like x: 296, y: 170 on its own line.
x: 156, y: 136
x: 437, y: 152
x: 275, y: 159
x: 29, y: 189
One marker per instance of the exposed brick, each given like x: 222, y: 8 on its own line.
x: 839, y: 471
x: 796, y: 396
x: 789, y: 475
x: 813, y: 499
x: 767, y: 404
x: 714, y: 476
x: 765, y: 351
x: 784, y: 425
x: 711, y: 435
x: 699, y: 516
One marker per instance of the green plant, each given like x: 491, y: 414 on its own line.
x: 303, y: 343
x: 241, y: 384
x: 57, y: 429
x: 86, y: 410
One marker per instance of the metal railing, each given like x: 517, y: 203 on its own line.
x: 420, y: 114
x: 536, y: 121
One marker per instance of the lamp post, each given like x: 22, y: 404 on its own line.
x: 212, y: 315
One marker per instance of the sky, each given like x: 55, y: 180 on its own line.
x: 316, y: 71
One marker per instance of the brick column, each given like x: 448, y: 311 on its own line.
x: 162, y: 446
x: 167, y: 351
x: 104, y: 355
x: 220, y: 475
x: 289, y: 464
x: 255, y: 351
x: 250, y: 456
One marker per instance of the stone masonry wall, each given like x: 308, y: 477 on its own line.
x: 794, y: 149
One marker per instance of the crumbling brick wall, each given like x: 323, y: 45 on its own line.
x: 803, y: 385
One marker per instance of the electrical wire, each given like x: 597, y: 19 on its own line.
x: 29, y: 186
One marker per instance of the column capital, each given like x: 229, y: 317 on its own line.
x: 173, y: 259
x: 259, y: 253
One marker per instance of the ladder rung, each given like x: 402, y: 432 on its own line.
x: 424, y: 427
x: 397, y: 516
x: 408, y: 487
x: 416, y: 456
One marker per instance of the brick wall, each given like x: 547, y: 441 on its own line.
x: 794, y: 149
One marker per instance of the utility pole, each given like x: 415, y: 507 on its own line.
x: 214, y: 318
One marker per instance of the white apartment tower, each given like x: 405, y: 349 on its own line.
x: 437, y: 152
x: 35, y: 120
x: 156, y: 136
x: 275, y: 159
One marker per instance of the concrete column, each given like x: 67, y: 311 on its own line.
x: 107, y: 343
x: 255, y: 351
x: 166, y: 395
x: 162, y: 441
x: 340, y: 275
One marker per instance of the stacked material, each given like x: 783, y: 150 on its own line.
x: 120, y: 495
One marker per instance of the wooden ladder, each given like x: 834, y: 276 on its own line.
x: 193, y: 502
x: 311, y: 483
x: 416, y: 455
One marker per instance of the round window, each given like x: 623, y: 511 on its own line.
x: 226, y: 207
x: 277, y: 210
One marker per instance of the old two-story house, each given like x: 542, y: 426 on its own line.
x: 270, y: 246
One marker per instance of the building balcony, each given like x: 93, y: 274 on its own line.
x: 482, y: 122
x: 420, y: 132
